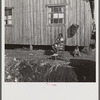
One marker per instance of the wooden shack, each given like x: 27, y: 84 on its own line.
x: 38, y: 22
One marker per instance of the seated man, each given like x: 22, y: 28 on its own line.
x: 59, y: 43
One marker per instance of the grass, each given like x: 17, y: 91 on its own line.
x: 37, y: 66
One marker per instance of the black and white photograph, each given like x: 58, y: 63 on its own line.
x: 49, y: 50
x: 50, y: 41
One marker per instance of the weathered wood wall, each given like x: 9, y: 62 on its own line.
x: 30, y: 22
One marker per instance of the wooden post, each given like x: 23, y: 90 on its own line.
x: 31, y: 47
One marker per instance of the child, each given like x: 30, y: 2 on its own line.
x: 59, y: 41
x: 76, y: 51
x: 54, y: 46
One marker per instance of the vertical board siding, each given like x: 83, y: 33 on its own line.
x: 78, y: 22
x: 35, y: 21
x: 30, y: 22
x: 66, y: 21
x: 41, y: 21
x: 82, y: 22
x: 74, y: 21
x: 70, y: 18
x: 16, y: 21
x: 44, y: 22
x: 86, y: 35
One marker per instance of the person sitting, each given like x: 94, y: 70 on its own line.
x: 58, y: 43
x: 76, y: 51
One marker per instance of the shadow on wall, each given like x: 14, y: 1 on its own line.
x: 72, y: 30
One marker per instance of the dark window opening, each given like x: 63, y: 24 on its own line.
x: 8, y: 16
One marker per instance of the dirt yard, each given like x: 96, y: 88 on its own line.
x: 37, y: 66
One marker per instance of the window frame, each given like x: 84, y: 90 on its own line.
x: 64, y: 14
x: 6, y: 16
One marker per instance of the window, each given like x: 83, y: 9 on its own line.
x: 56, y: 14
x: 8, y: 16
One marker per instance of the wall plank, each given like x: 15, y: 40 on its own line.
x: 35, y: 21
x: 66, y: 21
x: 70, y: 17
x: 74, y: 21
x: 44, y: 22
x: 82, y: 22
x: 41, y: 22
x: 86, y: 35
x: 78, y: 22
x: 32, y: 22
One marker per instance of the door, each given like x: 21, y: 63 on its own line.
x: 55, y: 22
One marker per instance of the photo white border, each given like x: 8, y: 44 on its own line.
x: 44, y: 91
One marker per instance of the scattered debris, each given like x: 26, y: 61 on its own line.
x: 25, y: 71
x: 21, y: 67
